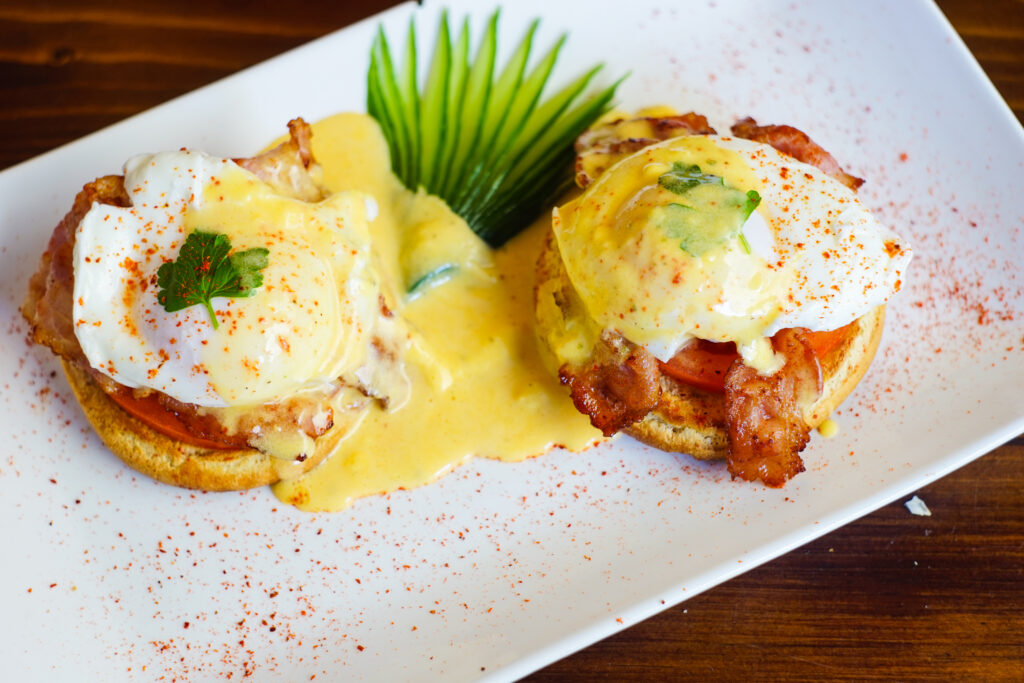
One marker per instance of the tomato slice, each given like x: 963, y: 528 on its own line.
x: 823, y: 342
x: 703, y: 364
x: 149, y: 411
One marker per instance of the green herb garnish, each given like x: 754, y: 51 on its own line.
x: 487, y: 145
x: 752, y: 202
x: 204, y: 269
x: 713, y: 214
x: 683, y: 177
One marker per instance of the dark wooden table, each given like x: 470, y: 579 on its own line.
x: 890, y: 596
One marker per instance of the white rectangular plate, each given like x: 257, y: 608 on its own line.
x: 499, y: 569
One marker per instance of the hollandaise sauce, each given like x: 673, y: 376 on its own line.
x: 477, y: 383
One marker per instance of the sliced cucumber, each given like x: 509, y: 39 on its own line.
x: 434, y: 277
x: 490, y: 147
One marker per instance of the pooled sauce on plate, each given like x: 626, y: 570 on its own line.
x: 478, y: 386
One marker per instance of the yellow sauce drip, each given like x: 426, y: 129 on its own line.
x: 828, y: 428
x: 478, y: 384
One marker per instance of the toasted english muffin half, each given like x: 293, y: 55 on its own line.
x: 172, y: 462
x: 688, y: 419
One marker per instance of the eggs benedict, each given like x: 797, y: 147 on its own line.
x: 222, y: 322
x: 715, y: 295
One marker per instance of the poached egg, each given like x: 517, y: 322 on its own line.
x: 313, y: 320
x: 664, y: 247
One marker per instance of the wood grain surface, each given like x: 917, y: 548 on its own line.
x: 891, y: 596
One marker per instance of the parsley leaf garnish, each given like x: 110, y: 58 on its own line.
x: 713, y: 213
x: 205, y: 268
x: 753, y: 201
x: 684, y: 177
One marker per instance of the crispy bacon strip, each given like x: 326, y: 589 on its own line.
x: 48, y: 306
x: 600, y: 147
x: 620, y: 385
x: 796, y: 144
x: 765, y: 413
x: 289, y: 167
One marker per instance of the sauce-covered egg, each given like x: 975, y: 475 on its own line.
x: 726, y: 240
x: 310, y: 322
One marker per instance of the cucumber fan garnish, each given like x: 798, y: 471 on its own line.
x: 486, y: 143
